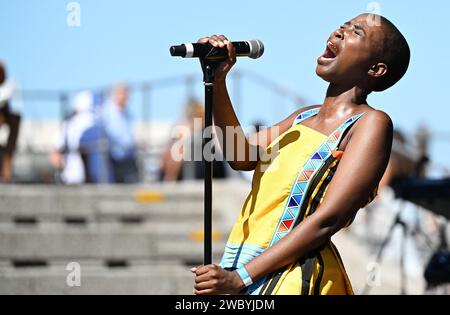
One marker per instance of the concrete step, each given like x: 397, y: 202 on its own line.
x: 178, y: 240
x: 189, y: 190
x: 84, y: 200
x: 165, y: 211
x: 35, y: 203
x: 107, y: 211
x: 180, y: 191
x: 155, y: 279
x: 129, y: 239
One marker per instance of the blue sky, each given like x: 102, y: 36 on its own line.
x: 129, y: 40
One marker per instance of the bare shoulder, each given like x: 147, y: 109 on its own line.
x: 375, y: 125
x: 376, y: 119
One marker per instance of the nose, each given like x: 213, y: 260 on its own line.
x: 338, y: 34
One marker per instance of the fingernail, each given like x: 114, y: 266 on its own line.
x: 226, y: 42
x: 193, y: 269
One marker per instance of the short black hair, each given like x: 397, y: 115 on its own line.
x: 395, y: 54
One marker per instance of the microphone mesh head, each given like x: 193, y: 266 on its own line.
x: 256, y: 48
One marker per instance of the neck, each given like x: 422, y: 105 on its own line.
x: 342, y: 100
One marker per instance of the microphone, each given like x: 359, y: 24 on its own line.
x: 251, y: 48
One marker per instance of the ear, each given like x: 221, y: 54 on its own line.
x: 378, y: 70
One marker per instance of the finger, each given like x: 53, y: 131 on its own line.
x: 203, y: 270
x: 203, y: 40
x: 213, y: 40
x: 196, y: 268
x: 204, y: 292
x: 217, y: 41
x: 203, y: 278
x: 223, y: 38
x: 204, y: 285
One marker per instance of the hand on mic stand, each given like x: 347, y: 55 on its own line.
x: 214, y: 71
x: 220, y: 68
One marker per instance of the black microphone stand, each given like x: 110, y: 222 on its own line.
x: 208, y: 68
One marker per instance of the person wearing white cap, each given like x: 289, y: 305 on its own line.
x: 66, y: 156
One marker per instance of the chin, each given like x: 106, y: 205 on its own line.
x: 322, y: 73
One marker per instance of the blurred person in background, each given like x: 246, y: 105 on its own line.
x: 402, y: 163
x: 94, y: 149
x: 118, y: 127
x: 66, y: 157
x: 407, y: 163
x: 12, y: 121
x: 181, y: 162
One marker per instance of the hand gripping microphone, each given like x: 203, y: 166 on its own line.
x: 251, y: 48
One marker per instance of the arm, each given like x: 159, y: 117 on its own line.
x: 364, y: 161
x: 6, y: 168
x: 13, y: 122
x: 57, y: 159
x: 225, y: 116
x: 57, y: 152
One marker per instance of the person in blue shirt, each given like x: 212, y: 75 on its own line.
x: 118, y: 127
x: 94, y: 148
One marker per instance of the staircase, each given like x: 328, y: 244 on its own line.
x: 124, y: 239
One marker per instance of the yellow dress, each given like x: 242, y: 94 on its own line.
x: 289, y: 184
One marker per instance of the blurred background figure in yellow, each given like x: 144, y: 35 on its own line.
x: 181, y: 159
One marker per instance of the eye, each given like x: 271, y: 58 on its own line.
x: 358, y: 32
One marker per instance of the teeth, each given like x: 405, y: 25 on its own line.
x: 331, y: 47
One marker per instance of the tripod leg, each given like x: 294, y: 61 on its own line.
x: 402, y: 260
x: 386, y: 240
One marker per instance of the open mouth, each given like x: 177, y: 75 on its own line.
x: 331, y: 51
